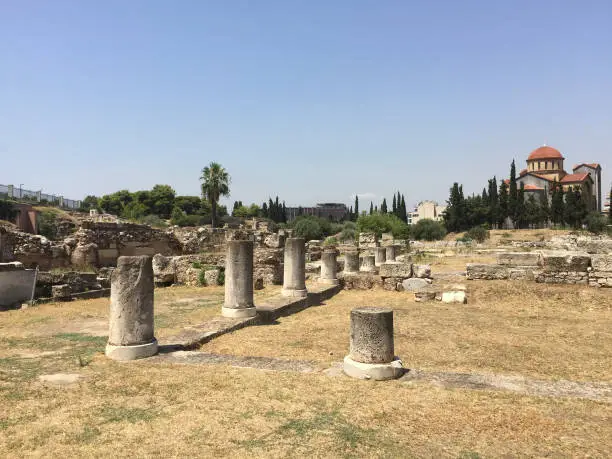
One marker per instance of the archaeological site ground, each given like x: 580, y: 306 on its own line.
x: 500, y: 349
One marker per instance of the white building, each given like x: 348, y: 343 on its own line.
x: 426, y: 209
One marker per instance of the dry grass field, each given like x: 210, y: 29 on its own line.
x: 164, y: 409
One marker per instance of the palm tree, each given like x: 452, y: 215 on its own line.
x: 215, y: 183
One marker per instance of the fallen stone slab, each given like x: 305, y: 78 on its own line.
x: 454, y: 297
x: 478, y: 271
x: 414, y: 284
x: 565, y: 261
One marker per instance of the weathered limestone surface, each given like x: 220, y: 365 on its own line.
x: 62, y: 291
x: 372, y: 335
x: 239, y: 280
x: 380, y: 255
x: 421, y: 271
x: 367, y: 240
x: 131, y: 305
x: 475, y: 271
x: 414, y: 284
x: 565, y: 261
x: 329, y: 267
x: 368, y: 264
x: 391, y: 251
x: 518, y: 258
x: 351, y: 261
x: 294, y: 278
x: 393, y: 284
x: 396, y: 270
x: 211, y: 276
x: 454, y: 297
x: 131, y: 310
x: 360, y: 281
x: 15, y: 284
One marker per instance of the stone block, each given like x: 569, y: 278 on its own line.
x: 477, y: 271
x: 454, y: 297
x: 211, y: 276
x: 519, y: 259
x: 361, y: 281
x: 403, y: 270
x: 421, y: 271
x: 601, y: 262
x: 521, y: 274
x: 414, y: 284
x: 422, y: 297
x: 61, y: 291
x: 392, y: 284
x: 565, y: 261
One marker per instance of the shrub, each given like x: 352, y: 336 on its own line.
x: 47, y: 224
x: 383, y: 223
x: 331, y: 240
x: 596, y: 223
x: 196, y: 265
x: 7, y: 210
x: 478, y: 234
x: 428, y: 230
x: 310, y: 227
x: 153, y: 221
x: 222, y: 277
x: 348, y: 234
x: 201, y: 277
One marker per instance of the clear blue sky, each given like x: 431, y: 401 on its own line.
x: 312, y: 100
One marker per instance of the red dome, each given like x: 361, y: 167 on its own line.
x: 545, y: 152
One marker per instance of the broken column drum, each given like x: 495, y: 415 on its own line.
x: 239, y: 280
x: 371, y: 354
x: 294, y: 278
x: 131, y: 329
x: 329, y: 267
x: 351, y: 261
x: 391, y: 251
x: 380, y: 256
x: 368, y: 264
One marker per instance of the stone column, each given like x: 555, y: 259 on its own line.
x: 351, y: 261
x: 329, y: 267
x: 391, y: 251
x: 380, y: 256
x: 294, y: 279
x: 368, y: 264
x: 371, y: 353
x: 130, y: 334
x: 239, y: 280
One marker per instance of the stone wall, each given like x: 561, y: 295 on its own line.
x: 15, y: 284
x: 391, y: 276
x: 550, y: 267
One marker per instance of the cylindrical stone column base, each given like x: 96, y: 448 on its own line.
x: 125, y: 353
x: 329, y: 267
x: 351, y: 261
x: 235, y: 313
x: 131, y: 321
x: 367, y: 264
x: 391, y: 253
x: 239, y: 280
x: 294, y: 275
x: 380, y: 256
x: 371, y: 348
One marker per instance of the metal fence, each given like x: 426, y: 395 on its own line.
x: 21, y: 194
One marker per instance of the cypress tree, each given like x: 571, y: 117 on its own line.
x: 356, y: 215
x: 544, y: 209
x: 493, y: 202
x: 571, y: 207
x: 284, y: 215
x: 399, y: 203
x: 383, y: 206
x: 557, y: 205
x: 503, y: 203
x: 512, y: 193
x: 404, y: 212
x: 394, y: 205
x: 520, y: 207
x: 532, y: 211
x: 264, y: 210
x: 375, y: 209
x: 371, y: 208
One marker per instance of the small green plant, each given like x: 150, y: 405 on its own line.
x: 596, y: 223
x: 202, y: 278
x: 506, y: 235
x: 196, y: 265
x: 330, y: 241
x: 222, y: 277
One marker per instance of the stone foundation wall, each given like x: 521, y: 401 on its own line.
x: 562, y: 267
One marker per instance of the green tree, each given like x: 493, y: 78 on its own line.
x: 115, y: 202
x: 544, y: 208
x: 371, y: 208
x: 493, y: 202
x: 513, y: 194
x: 455, y: 210
x: 90, y: 202
x: 355, y: 215
x: 532, y: 211
x: 403, y: 211
x: 383, y: 206
x: 215, y: 183
x: 519, y: 215
x: 428, y: 230
x: 383, y: 223
x: 557, y: 205
x: 163, y: 200
x: 191, y: 205
x: 134, y: 211
x: 7, y: 210
x: 503, y: 202
x: 394, y: 206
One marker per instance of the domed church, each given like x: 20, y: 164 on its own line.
x: 545, y: 166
